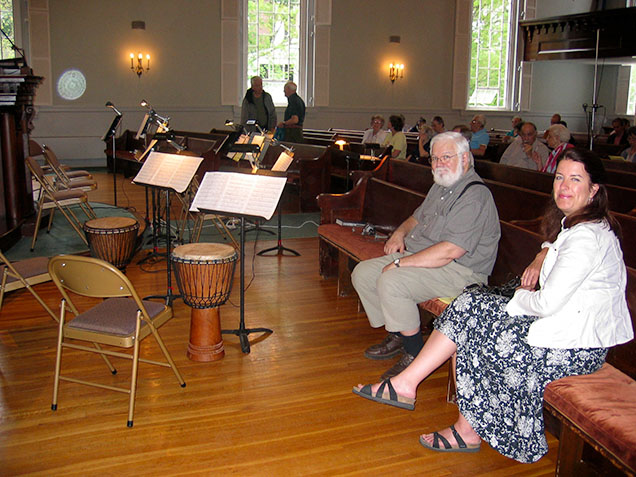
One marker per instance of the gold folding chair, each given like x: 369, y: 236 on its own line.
x: 25, y: 274
x: 51, y: 199
x: 36, y: 149
x: 66, y: 179
x: 122, y: 320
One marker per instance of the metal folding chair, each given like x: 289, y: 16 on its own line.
x: 122, y: 320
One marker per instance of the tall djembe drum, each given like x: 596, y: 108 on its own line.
x: 204, y: 273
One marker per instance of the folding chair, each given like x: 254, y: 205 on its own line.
x: 52, y: 199
x: 36, y: 149
x: 66, y: 179
x: 25, y: 274
x: 122, y: 320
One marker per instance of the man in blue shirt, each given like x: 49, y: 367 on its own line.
x: 480, y: 139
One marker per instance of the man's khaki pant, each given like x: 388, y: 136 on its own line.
x: 390, y: 299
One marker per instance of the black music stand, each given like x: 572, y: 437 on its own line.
x: 167, y: 172
x: 281, y: 165
x: 218, y: 194
x: 110, y: 135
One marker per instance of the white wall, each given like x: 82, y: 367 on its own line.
x: 183, y: 38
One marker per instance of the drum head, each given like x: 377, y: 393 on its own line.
x: 204, y: 251
x: 109, y: 223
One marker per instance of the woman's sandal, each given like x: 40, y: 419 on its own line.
x: 462, y: 446
x: 385, y: 394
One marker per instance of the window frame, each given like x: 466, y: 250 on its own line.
x: 512, y: 100
x: 305, y: 81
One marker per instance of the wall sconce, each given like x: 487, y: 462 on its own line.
x: 396, y: 71
x: 139, y: 67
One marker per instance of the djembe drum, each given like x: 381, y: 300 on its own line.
x: 112, y: 239
x: 204, y: 273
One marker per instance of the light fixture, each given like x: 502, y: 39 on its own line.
x: 139, y: 67
x: 396, y: 71
x: 341, y: 143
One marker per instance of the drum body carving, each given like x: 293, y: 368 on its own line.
x: 204, y: 273
x: 112, y: 239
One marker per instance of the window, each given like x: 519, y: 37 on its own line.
x: 6, y: 23
x: 631, y: 98
x: 493, y: 54
x: 274, y: 45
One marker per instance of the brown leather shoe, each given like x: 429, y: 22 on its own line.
x: 398, y: 367
x: 390, y: 346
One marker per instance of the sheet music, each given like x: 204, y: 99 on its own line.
x: 170, y: 171
x: 283, y: 162
x: 236, y: 193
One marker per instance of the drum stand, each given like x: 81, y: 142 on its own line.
x: 243, y: 332
x: 280, y: 250
x: 169, y: 296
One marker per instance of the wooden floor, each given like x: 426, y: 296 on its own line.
x: 284, y: 409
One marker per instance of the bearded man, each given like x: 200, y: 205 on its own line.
x: 449, y: 242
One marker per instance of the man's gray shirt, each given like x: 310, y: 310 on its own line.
x: 470, y: 222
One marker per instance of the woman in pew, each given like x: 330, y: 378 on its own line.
x: 629, y: 154
x: 558, y: 137
x: 508, y: 350
x: 397, y: 139
x: 375, y: 135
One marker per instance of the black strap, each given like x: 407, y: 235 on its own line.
x: 470, y: 184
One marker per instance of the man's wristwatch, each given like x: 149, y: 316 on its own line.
x: 396, y: 262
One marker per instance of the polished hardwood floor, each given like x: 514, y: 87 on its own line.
x: 286, y: 408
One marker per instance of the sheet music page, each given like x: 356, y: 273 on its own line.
x: 258, y: 140
x: 237, y: 193
x: 168, y: 170
x: 283, y: 162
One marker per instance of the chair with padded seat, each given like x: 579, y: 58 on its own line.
x: 67, y: 179
x: 25, y: 274
x: 53, y: 162
x: 49, y: 198
x: 122, y: 320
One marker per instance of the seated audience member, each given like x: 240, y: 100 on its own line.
x: 418, y: 125
x: 629, y: 154
x: 396, y: 137
x: 375, y: 135
x: 423, y: 145
x: 526, y: 151
x: 464, y: 131
x: 438, y: 125
x: 509, y: 350
x: 558, y: 140
x: 618, y: 136
x: 555, y: 119
x: 516, y: 121
x: 480, y: 139
x: 449, y: 242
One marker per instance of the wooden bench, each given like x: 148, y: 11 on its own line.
x: 621, y: 199
x: 372, y: 201
x: 594, y: 416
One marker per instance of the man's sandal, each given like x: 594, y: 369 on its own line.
x: 386, y: 395
x: 462, y: 446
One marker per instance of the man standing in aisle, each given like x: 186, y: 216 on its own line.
x: 294, y: 115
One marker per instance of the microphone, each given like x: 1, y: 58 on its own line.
x: 112, y: 106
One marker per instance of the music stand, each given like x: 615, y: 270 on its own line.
x: 281, y: 165
x: 245, y: 196
x: 168, y: 172
x: 110, y: 134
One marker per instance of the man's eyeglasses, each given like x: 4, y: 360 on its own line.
x: 445, y: 159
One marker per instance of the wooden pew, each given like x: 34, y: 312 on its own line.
x: 513, y: 202
x: 621, y: 199
x: 594, y: 415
